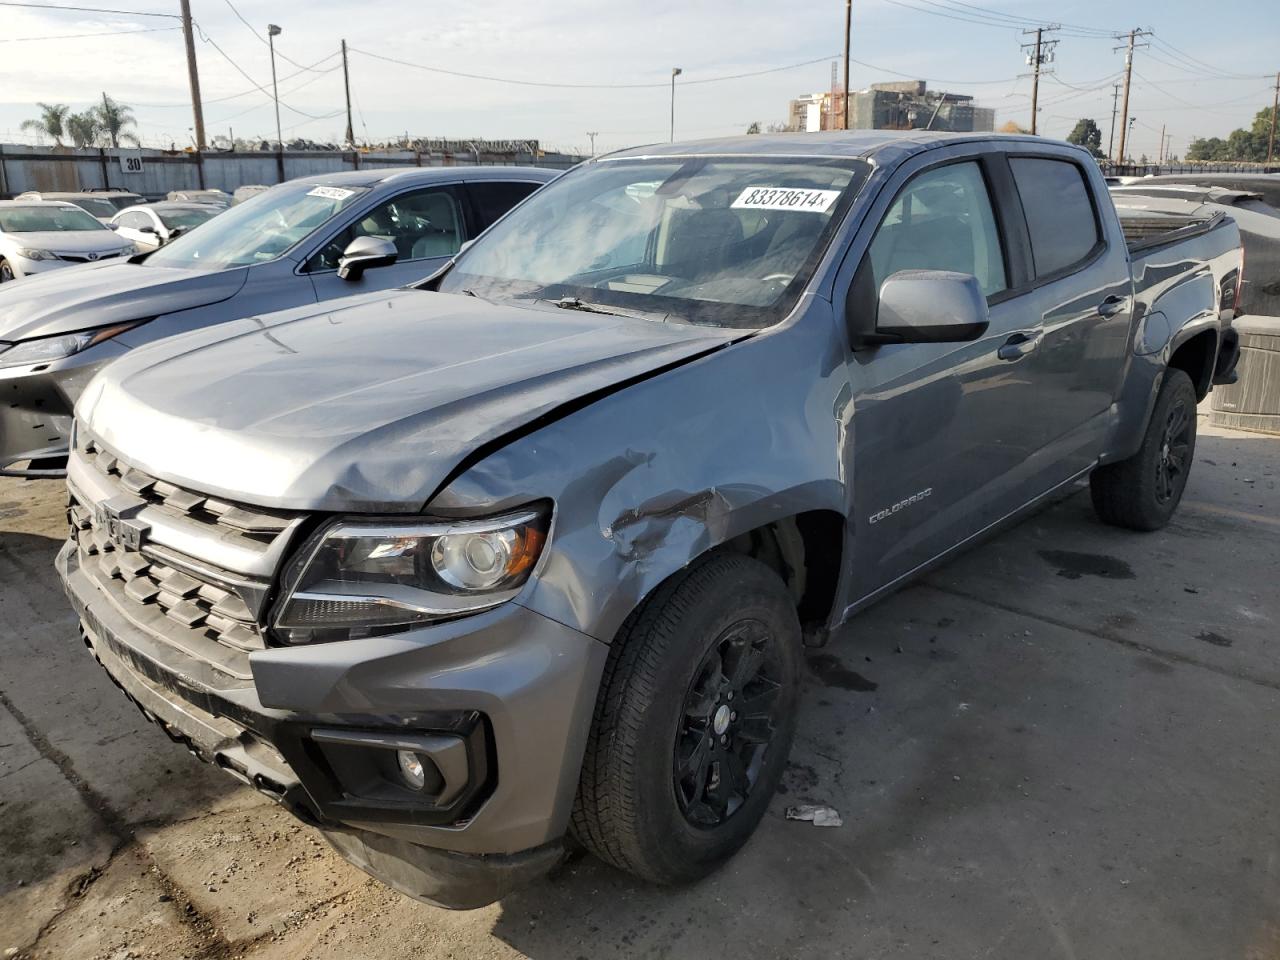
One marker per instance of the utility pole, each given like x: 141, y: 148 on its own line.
x: 346, y: 86
x: 593, y: 134
x: 1128, y: 75
x: 1160, y: 153
x: 1042, y: 53
x: 193, y: 74
x: 272, y: 32
x: 1111, y: 141
x: 1275, y: 104
x: 848, y: 25
x: 675, y: 72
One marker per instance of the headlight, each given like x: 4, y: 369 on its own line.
x: 359, y: 578
x: 30, y: 253
x: 48, y: 349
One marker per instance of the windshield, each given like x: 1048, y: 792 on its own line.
x: 184, y: 219
x: 95, y: 205
x: 37, y: 219
x: 722, y: 240
x: 258, y: 230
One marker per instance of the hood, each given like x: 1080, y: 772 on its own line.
x: 71, y: 241
x: 362, y: 404
x: 98, y: 294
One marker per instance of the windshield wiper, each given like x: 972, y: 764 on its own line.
x: 574, y: 303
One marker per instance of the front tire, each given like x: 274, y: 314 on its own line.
x: 6, y: 271
x: 1142, y: 492
x: 693, y: 722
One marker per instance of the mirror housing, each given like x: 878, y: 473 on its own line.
x: 148, y: 228
x: 112, y: 226
x: 930, y: 306
x: 366, y: 253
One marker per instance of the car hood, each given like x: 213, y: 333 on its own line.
x: 70, y: 241
x: 99, y: 294
x: 367, y: 403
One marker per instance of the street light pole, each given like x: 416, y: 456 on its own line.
x: 593, y: 134
x: 272, y: 32
x: 675, y: 72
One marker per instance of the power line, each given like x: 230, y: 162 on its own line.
x: 209, y: 40
x: 1099, y: 31
x: 962, y: 16
x: 55, y: 6
x: 1186, y: 57
x: 252, y: 29
x: 78, y: 36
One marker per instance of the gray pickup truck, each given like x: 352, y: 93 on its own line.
x: 527, y: 554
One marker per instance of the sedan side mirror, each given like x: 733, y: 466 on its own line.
x: 148, y: 228
x: 366, y: 253
x: 931, y: 306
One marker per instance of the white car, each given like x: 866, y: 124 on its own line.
x: 37, y: 236
x: 155, y: 224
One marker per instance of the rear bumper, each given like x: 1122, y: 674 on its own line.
x: 530, y: 680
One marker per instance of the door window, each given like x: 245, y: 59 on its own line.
x: 134, y: 220
x: 1060, y: 217
x: 422, y: 224
x: 942, y: 220
x: 493, y: 198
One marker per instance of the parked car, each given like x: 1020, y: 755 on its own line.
x: 214, y: 197
x: 1259, y: 225
x: 44, y: 235
x: 1265, y: 184
x: 311, y: 239
x: 118, y: 197
x: 155, y: 224
x: 1199, y: 193
x: 95, y: 204
x: 530, y: 548
x: 248, y: 190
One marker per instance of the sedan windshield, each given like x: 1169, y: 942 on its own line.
x: 258, y: 230
x: 46, y: 217
x: 729, y: 241
x: 96, y: 206
x: 185, y: 219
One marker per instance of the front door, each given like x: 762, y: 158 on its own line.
x: 940, y: 448
x: 427, y: 227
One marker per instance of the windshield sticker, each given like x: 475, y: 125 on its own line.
x: 330, y: 193
x: 785, y: 198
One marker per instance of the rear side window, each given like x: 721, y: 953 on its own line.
x: 1060, y: 217
x: 493, y: 198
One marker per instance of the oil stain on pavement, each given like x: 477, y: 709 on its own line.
x: 1073, y: 565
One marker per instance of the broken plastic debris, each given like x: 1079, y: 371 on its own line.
x: 818, y: 815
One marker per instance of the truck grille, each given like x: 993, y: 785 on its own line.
x: 184, y: 597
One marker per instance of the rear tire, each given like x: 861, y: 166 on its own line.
x: 6, y: 271
x: 1142, y: 492
x: 693, y: 722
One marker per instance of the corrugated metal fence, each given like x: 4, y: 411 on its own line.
x: 39, y: 168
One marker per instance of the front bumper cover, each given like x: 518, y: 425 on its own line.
x: 507, y: 829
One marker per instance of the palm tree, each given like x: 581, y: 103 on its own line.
x: 83, y: 128
x: 53, y: 116
x: 114, y: 119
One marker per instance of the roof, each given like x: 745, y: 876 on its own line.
x: 854, y: 144
x: 37, y: 203
x: 370, y: 176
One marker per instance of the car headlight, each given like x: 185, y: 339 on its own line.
x: 48, y: 349
x: 359, y: 578
x: 31, y: 253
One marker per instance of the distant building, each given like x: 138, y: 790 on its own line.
x: 900, y: 105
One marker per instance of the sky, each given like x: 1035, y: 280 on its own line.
x: 1208, y: 69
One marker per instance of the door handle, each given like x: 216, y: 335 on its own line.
x: 1018, y: 345
x: 1112, y: 305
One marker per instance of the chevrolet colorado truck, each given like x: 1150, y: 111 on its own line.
x: 526, y: 554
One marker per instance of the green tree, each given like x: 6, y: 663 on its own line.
x: 1241, y: 144
x: 114, y: 120
x: 1086, y: 134
x: 82, y: 128
x: 53, y: 117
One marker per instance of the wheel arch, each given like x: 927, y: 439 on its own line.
x: 1196, y: 356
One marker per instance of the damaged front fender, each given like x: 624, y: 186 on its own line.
x: 647, y: 479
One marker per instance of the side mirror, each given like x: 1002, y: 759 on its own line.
x: 148, y: 228
x: 112, y: 226
x: 366, y: 253
x: 931, y: 306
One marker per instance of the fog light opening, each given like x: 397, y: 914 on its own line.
x: 411, y: 769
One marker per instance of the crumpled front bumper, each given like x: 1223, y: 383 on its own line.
x: 533, y: 681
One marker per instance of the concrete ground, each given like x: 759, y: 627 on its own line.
x: 1060, y: 745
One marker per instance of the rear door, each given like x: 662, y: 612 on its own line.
x: 1080, y: 295
x: 428, y: 225
x: 490, y: 199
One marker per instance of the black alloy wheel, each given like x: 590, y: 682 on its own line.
x: 1175, y: 450
x: 728, y: 723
